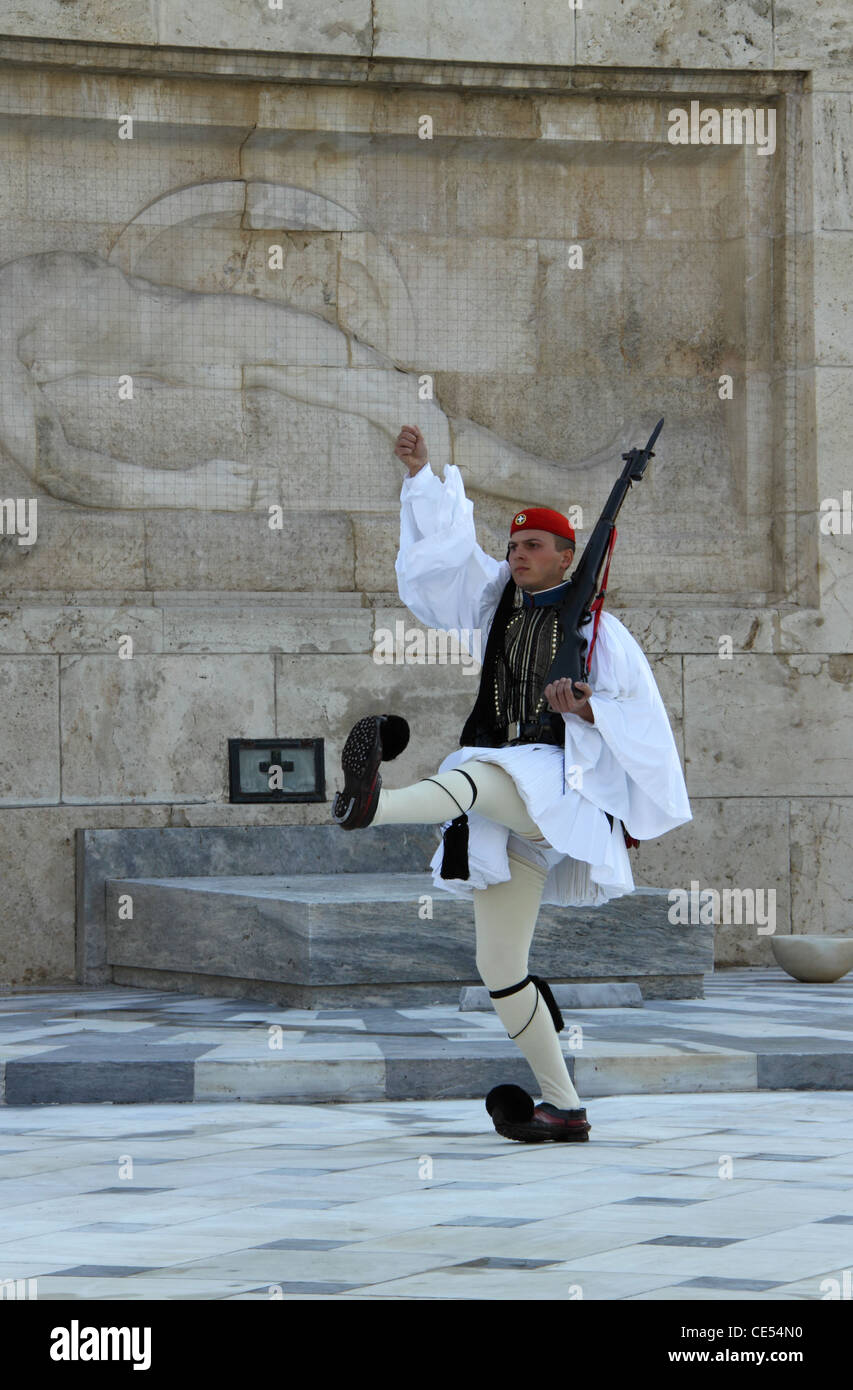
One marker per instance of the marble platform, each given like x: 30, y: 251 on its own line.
x: 347, y: 923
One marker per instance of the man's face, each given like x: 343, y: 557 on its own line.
x: 535, y: 561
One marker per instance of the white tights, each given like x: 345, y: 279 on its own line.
x: 504, y: 913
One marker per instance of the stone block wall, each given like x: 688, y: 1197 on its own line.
x: 259, y: 385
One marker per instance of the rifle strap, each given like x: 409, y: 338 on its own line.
x: 598, y: 602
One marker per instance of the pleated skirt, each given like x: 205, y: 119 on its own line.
x: 587, y: 862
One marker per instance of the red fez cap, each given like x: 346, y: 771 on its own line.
x: 542, y: 519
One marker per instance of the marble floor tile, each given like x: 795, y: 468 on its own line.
x: 683, y: 1293
x: 521, y: 1242
x: 379, y: 1231
x: 532, y: 1285
x: 347, y: 1265
x: 831, y: 1286
x: 741, y: 1261
x: 135, y: 1287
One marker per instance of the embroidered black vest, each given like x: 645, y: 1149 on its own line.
x: 523, y: 640
x: 482, y: 727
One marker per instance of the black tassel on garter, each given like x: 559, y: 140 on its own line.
x: 545, y: 990
x: 454, y: 863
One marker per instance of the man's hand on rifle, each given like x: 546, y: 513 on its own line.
x: 411, y: 448
x: 562, y: 701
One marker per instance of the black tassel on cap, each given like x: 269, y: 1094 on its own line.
x: 454, y: 862
x: 545, y: 990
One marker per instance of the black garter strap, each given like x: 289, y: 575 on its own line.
x: 510, y: 989
x: 543, y: 988
x: 450, y: 794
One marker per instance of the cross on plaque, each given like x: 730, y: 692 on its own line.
x: 275, y: 761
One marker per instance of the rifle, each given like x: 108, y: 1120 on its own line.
x: 584, y: 596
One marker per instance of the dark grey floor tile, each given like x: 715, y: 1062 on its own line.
x: 645, y: 1169
x: 305, y: 1244
x: 711, y: 1241
x: 127, y: 1187
x: 812, y: 1070
x: 711, y: 1281
x: 156, y: 1134
x: 625, y: 1143
x: 120, y: 1226
x: 456, y: 1154
x: 98, y: 1271
x: 97, y: 1081
x: 786, y: 1158
x: 304, y: 1172
x: 657, y: 1202
x: 305, y: 1286
x: 503, y: 1262
x: 306, y: 1203
x: 310, y: 1148
x: 475, y: 1186
x: 490, y: 1221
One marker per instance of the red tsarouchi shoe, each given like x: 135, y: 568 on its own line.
x: 515, y: 1117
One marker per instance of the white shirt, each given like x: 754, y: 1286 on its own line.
x: 626, y: 763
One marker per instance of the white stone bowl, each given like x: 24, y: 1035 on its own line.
x: 814, y: 959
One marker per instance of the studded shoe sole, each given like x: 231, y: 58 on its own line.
x: 374, y: 739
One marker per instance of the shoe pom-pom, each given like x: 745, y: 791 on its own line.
x: 514, y: 1103
x: 394, y: 732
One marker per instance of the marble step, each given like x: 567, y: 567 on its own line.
x: 372, y: 1065
x: 309, y: 939
x: 753, y: 1030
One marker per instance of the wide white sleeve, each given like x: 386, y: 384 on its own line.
x: 444, y: 576
x: 626, y: 762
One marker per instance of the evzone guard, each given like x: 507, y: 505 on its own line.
x: 566, y: 759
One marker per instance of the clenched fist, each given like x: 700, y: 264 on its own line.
x: 562, y: 700
x: 411, y: 448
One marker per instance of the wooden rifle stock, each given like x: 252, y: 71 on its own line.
x: 576, y: 608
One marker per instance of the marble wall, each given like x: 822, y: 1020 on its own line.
x: 263, y: 382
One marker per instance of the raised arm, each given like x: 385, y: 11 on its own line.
x: 444, y: 576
